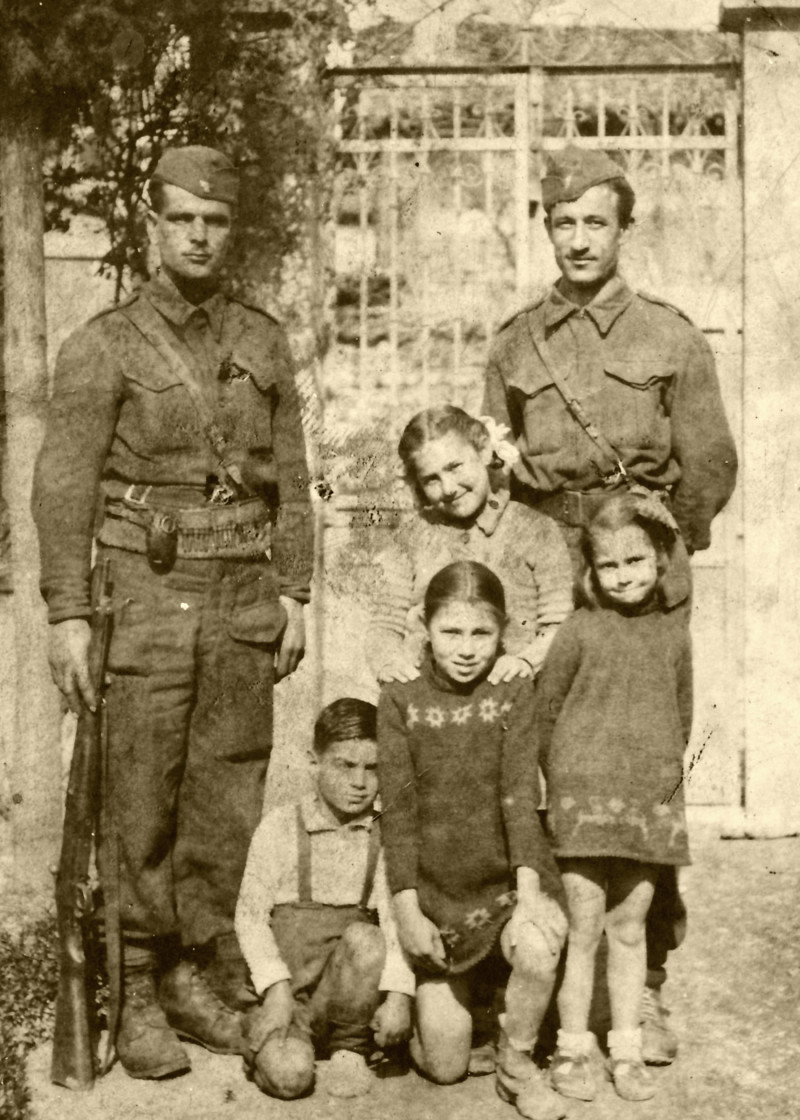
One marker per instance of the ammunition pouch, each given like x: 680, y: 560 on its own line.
x: 146, y: 519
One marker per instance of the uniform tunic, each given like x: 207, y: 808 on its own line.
x: 613, y: 715
x: 645, y: 376
x: 522, y: 547
x: 189, y: 700
x: 460, y: 788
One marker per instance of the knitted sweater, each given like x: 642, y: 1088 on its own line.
x: 524, y: 548
x: 613, y: 716
x: 460, y: 788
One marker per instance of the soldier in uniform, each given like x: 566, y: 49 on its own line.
x: 644, y: 409
x: 174, y: 429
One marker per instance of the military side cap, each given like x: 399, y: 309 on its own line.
x: 571, y: 172
x: 201, y: 171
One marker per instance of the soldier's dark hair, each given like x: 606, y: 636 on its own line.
x: 465, y: 581
x: 343, y: 720
x: 433, y: 423
x: 618, y: 512
x: 626, y: 200
x: 155, y: 195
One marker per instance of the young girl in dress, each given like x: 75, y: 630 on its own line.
x: 458, y: 471
x: 613, y: 716
x: 469, y: 867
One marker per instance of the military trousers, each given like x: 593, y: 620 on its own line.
x: 189, y: 734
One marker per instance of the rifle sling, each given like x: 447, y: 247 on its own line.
x: 576, y: 409
x: 147, y: 321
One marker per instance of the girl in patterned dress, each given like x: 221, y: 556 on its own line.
x: 458, y: 470
x: 613, y: 715
x: 469, y: 867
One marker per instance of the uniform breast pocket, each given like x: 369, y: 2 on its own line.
x: 158, y: 415
x: 636, y: 396
x: 535, y: 398
x: 248, y: 403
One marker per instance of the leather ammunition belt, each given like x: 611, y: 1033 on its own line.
x: 237, y: 530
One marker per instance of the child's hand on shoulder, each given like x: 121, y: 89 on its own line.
x: 391, y: 1023
x: 507, y: 668
x: 400, y: 668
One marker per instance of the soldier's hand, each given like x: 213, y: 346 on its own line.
x: 68, y: 654
x: 293, y: 640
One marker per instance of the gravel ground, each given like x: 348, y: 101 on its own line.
x: 734, y: 991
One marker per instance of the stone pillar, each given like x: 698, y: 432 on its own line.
x: 770, y: 473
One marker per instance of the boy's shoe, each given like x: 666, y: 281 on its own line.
x: 575, y: 1075
x: 659, y: 1043
x: 348, y: 1075
x: 482, y: 1060
x: 520, y: 1082
x: 632, y: 1080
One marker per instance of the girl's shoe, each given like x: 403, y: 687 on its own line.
x: 575, y: 1075
x: 482, y: 1060
x: 632, y: 1080
x: 521, y: 1083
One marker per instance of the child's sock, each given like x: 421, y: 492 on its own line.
x: 625, y: 1046
x: 575, y: 1043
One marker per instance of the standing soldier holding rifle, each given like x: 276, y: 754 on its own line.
x: 175, y: 416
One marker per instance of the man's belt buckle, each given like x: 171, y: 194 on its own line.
x: 221, y: 493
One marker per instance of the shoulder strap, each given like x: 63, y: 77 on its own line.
x: 615, y: 471
x: 372, y: 863
x: 150, y: 325
x: 303, y: 859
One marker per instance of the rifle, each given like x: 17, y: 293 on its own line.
x: 75, y: 1035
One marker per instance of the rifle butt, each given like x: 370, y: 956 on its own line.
x: 73, y: 1063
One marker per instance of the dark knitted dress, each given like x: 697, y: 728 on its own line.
x: 613, y: 715
x: 459, y: 788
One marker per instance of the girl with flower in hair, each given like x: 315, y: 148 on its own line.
x: 458, y: 468
x: 613, y: 715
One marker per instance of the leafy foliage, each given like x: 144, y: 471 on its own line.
x: 28, y: 979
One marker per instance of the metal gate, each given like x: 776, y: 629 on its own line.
x: 438, y: 235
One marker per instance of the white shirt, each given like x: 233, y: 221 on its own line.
x: 339, y: 854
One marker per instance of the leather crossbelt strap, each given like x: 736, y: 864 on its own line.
x: 150, y: 325
x: 617, y: 473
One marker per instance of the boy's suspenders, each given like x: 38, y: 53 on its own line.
x: 304, y: 862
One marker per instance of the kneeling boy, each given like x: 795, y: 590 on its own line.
x: 306, y: 923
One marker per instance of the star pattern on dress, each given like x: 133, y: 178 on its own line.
x: 508, y: 898
x: 488, y: 710
x: 461, y: 715
x: 506, y: 707
x: 434, y: 717
x: 477, y: 919
x: 450, y: 936
x: 412, y: 715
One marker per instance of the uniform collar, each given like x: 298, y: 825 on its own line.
x: 606, y: 307
x: 318, y: 818
x: 166, y: 299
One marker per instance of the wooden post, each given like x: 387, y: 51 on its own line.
x: 771, y: 444
x: 35, y: 770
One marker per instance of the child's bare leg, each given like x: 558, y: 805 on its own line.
x: 630, y: 892
x: 530, y: 985
x: 533, y: 975
x: 584, y: 883
x: 443, y: 1029
x: 347, y: 995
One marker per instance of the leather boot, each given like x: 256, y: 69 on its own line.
x: 197, y: 1013
x: 228, y: 975
x: 145, y: 1044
